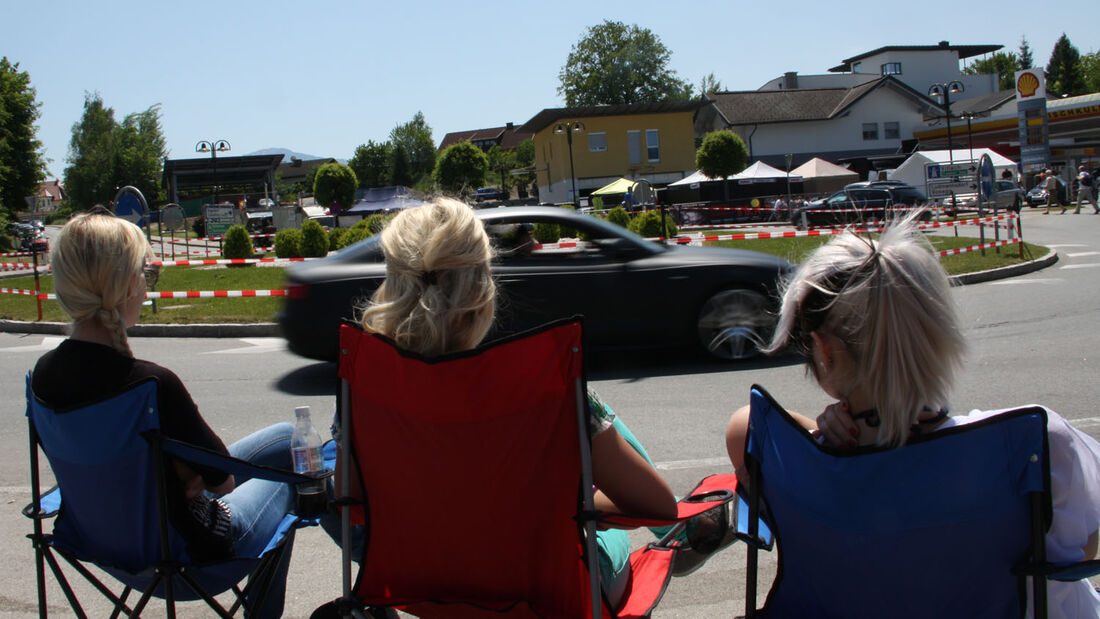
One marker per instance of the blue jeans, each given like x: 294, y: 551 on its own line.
x: 259, y: 505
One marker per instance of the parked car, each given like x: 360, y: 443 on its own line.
x: 488, y: 193
x: 859, y: 202
x: 1037, y: 195
x: 25, y: 235
x: 633, y: 293
x: 1007, y: 195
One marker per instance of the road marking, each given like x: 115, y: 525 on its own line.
x: 256, y: 346
x: 1084, y: 253
x: 1069, y: 245
x: 1080, y: 266
x: 1017, y: 282
x: 48, y: 343
x: 676, y: 465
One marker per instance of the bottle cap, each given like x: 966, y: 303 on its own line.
x: 301, y: 411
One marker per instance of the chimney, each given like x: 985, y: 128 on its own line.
x: 790, y: 79
x: 944, y: 44
x: 509, y: 126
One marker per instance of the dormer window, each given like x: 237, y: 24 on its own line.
x: 891, y: 68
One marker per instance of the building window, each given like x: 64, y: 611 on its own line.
x: 597, y: 142
x: 652, y: 145
x: 856, y: 66
x: 891, y: 131
x: 891, y: 68
x: 870, y: 131
x: 634, y: 146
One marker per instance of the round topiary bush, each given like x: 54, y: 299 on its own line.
x: 376, y: 222
x: 237, y: 243
x: 648, y: 224
x: 314, y: 241
x: 288, y: 243
x: 334, y: 237
x: 619, y: 217
x: 547, y: 233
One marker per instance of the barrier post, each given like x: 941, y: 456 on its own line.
x: 35, y: 246
x: 1020, y: 233
x: 981, y: 225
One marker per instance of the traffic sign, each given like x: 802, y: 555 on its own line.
x: 130, y: 205
x: 946, y: 188
x: 986, y: 176
x: 937, y: 171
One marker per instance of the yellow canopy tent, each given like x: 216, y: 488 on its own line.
x: 620, y: 186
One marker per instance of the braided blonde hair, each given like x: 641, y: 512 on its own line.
x: 438, y: 296
x: 96, y: 262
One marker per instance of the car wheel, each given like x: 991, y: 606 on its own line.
x: 735, y: 324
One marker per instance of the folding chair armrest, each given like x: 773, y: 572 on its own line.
x: 49, y: 505
x: 1063, y: 573
x: 713, y: 491
x: 235, y: 466
x: 764, y: 539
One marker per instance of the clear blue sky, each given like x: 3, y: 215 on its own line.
x: 323, y: 77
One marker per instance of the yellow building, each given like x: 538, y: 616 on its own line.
x: 653, y: 142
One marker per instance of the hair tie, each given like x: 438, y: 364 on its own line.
x: 428, y: 278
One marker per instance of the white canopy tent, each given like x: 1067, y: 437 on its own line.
x: 821, y: 176
x: 912, y: 170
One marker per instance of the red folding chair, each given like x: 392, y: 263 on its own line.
x: 476, y: 482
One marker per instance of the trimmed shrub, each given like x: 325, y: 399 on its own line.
x: 547, y: 233
x: 314, y: 242
x: 619, y: 217
x: 335, y: 183
x: 334, y: 237
x: 237, y: 243
x: 288, y: 243
x: 376, y: 222
x: 648, y: 224
x: 353, y: 235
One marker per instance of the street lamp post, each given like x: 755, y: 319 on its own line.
x: 213, y: 147
x: 945, y: 91
x: 569, y: 128
x: 969, y: 116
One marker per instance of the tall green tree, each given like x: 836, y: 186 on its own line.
x: 501, y: 163
x: 1090, y: 67
x: 723, y: 153
x: 709, y: 84
x: 372, y: 164
x: 22, y: 166
x: 400, y: 168
x: 1024, y: 57
x: 1064, y: 72
x: 525, y: 158
x: 415, y: 137
x: 1004, y: 65
x: 461, y: 168
x: 335, y: 183
x: 614, y: 63
x: 105, y: 155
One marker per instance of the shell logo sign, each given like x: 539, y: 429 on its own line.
x: 1030, y: 84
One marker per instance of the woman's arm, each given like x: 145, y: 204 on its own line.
x: 628, y: 484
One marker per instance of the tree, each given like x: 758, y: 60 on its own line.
x: 1090, y: 68
x: 105, y: 155
x: 709, y: 84
x: 461, y: 168
x: 400, y: 168
x: 415, y: 137
x: 1005, y: 65
x: 1064, y: 71
x: 525, y: 158
x: 723, y: 153
x: 335, y: 182
x: 22, y: 166
x: 614, y: 63
x: 1024, y: 57
x: 372, y: 164
x: 500, y: 163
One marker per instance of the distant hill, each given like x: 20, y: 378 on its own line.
x: 286, y: 153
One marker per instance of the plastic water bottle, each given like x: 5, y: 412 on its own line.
x: 305, y: 451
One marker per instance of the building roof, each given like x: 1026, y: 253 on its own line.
x: 751, y: 107
x: 507, y: 137
x: 982, y: 105
x: 199, y: 172
x: 52, y: 190
x: 965, y: 51
x: 549, y: 116
x: 296, y: 169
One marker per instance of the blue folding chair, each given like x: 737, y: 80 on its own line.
x: 110, y: 505
x: 947, y: 526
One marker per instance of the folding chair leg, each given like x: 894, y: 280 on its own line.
x: 205, y: 595
x: 64, y: 583
x: 121, y: 602
x: 40, y: 568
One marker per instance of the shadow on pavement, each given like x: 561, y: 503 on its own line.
x: 625, y: 365
x: 316, y: 379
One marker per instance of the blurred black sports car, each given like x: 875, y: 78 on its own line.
x: 633, y: 293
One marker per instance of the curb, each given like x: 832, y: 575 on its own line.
x: 271, y: 329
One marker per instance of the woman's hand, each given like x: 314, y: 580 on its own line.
x: 836, y: 426
x: 192, y: 481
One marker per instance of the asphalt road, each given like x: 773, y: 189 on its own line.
x: 1033, y: 339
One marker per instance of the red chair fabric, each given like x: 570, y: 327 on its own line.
x: 471, y: 475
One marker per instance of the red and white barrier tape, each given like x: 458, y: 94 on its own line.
x: 182, y: 263
x: 22, y: 266
x: 16, y: 253
x: 186, y: 294
x: 963, y: 250
x: 16, y: 291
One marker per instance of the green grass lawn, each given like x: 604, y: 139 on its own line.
x: 263, y: 309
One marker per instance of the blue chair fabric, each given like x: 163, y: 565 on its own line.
x: 110, y: 505
x: 930, y: 530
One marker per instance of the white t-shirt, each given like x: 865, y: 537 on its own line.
x: 1075, y: 497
